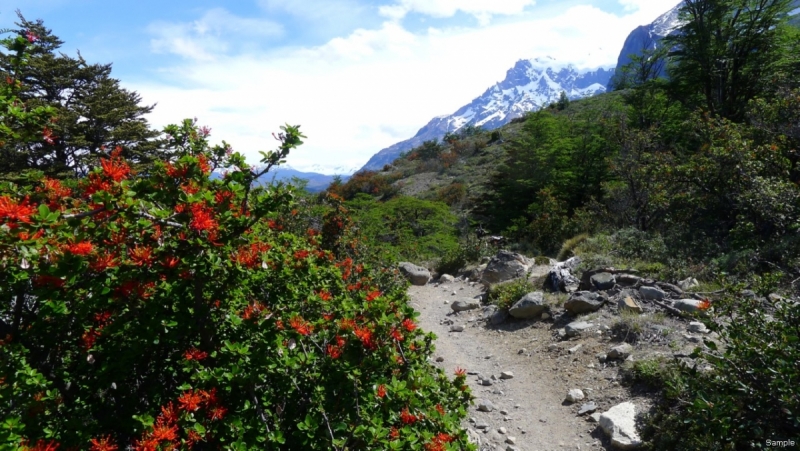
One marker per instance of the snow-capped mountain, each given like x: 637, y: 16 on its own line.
x: 528, y: 86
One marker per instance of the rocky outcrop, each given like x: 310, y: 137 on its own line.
x: 531, y: 305
x: 505, y: 266
x: 584, y: 302
x: 417, y: 275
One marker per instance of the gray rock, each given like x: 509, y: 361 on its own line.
x: 602, y: 281
x: 494, y: 315
x: 560, y: 277
x: 689, y: 282
x: 505, y: 266
x: 462, y: 305
x: 446, y: 278
x: 689, y: 305
x: 627, y: 280
x: 577, y: 327
x: 652, y: 293
x: 474, y: 438
x: 506, y: 375
x: 619, y: 423
x: 575, y: 395
x: 589, y: 407
x: 457, y: 328
x: 698, y: 327
x: 484, y: 405
x: 417, y: 275
x: 584, y: 302
x: 531, y: 305
x: 594, y: 418
x: 482, y: 425
x: 620, y: 352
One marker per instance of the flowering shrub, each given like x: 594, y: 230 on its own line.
x: 174, y: 311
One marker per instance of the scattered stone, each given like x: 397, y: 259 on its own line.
x: 457, y: 328
x: 577, y: 327
x: 575, y: 349
x: 446, y: 278
x: 545, y: 315
x: 453, y: 293
x: 463, y: 305
x: 506, y: 375
x: 627, y: 302
x: 482, y: 425
x: 584, y: 302
x: 511, y: 440
x: 698, y: 327
x: 619, y: 423
x: 589, y: 407
x: 484, y: 405
x: 552, y: 347
x: 652, y: 293
x: 575, y: 395
x: 689, y: 282
x: 494, y: 315
x: 504, y: 266
x: 487, y: 382
x: 503, y: 412
x: 594, y: 418
x: 602, y: 281
x: 511, y: 448
x: 502, y: 430
x: 474, y: 438
x: 522, y: 351
x: 620, y: 352
x: 627, y: 280
x: 531, y: 305
x: 690, y: 305
x: 417, y: 275
x: 440, y: 359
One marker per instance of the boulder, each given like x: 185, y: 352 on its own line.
x: 584, y: 302
x: 619, y: 423
x: 417, y: 275
x: 577, y: 327
x: 627, y: 302
x: 652, y: 293
x: 575, y: 395
x: 602, y: 281
x: 494, y: 315
x: 446, y: 278
x: 691, y: 305
x: 530, y: 306
x: 627, y: 280
x: 620, y: 352
x: 484, y: 405
x: 560, y: 277
x: 689, y: 282
x: 589, y: 407
x: 462, y: 305
x: 698, y: 327
x: 505, y: 266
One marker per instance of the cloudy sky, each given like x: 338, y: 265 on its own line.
x: 356, y: 75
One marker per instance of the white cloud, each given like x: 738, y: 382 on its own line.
x: 481, y: 9
x: 217, y: 32
x: 357, y: 94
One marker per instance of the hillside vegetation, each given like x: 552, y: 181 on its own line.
x: 693, y: 175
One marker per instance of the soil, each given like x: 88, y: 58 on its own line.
x: 544, y: 370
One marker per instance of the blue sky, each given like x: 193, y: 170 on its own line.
x: 357, y: 75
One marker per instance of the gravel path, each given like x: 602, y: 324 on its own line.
x: 536, y: 415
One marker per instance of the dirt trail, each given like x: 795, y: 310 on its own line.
x: 533, y: 398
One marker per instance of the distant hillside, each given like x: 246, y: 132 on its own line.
x: 316, y: 182
x: 528, y: 86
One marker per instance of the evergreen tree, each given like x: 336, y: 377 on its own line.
x: 93, y: 114
x: 726, y: 52
x: 563, y: 101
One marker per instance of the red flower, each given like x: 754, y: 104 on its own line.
x: 9, y: 209
x: 394, y: 434
x: 89, y: 337
x: 223, y: 196
x: 41, y: 445
x: 190, y: 401
x: 205, y: 167
x: 334, y: 351
x: 396, y: 334
x: 373, y: 295
x: 365, y: 335
x: 300, y: 325
x: 141, y: 256
x: 217, y: 413
x: 203, y: 218
x: 164, y: 432
x: 174, y: 172
x: 193, y: 438
x: 103, y: 444
x: 195, y: 354
x: 406, y: 417
x: 409, y: 325
x: 705, y: 304
x: 440, y: 409
x: 171, y: 262
x: 31, y: 36
x: 347, y: 324
x: 300, y: 255
x: 82, y: 248
x: 96, y: 184
x: 325, y: 295
x: 381, y: 392
x: 327, y: 316
x: 48, y: 137
x: 102, y: 318
x: 103, y: 262
x: 115, y: 167
x: 168, y: 413
x: 47, y: 280
x: 460, y: 371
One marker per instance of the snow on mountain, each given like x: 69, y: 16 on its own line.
x: 648, y: 36
x: 528, y: 86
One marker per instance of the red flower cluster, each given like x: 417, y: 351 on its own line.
x: 205, y: 167
x: 54, y: 191
x: 31, y: 36
x: 47, y: 280
x: 460, y: 372
x: 90, y: 336
x: 103, y: 262
x: 365, y: 335
x: 203, y: 218
x: 48, y: 137
x: 409, y: 325
x: 254, y: 310
x: 381, y: 391
x: 135, y: 288
x: 41, y: 445
x: 248, y: 256
x: 373, y: 295
x: 195, y: 354
x: 333, y: 351
x: 438, y: 442
x: 174, y: 172
x: 396, y: 334
x: 115, y: 167
x: 325, y: 295
x: 407, y: 418
x: 141, y: 256
x: 103, y: 444
x: 171, y: 262
x: 301, y: 326
x: 82, y: 248
x: 13, y: 211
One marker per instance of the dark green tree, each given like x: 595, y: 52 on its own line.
x: 93, y: 114
x: 726, y: 52
x: 563, y: 101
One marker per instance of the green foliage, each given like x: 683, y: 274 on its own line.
x: 748, y: 395
x: 91, y: 112
x: 563, y: 101
x: 470, y: 250
x: 568, y: 248
x: 505, y: 294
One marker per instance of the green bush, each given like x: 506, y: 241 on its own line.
x: 568, y: 248
x: 748, y: 395
x: 505, y: 294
